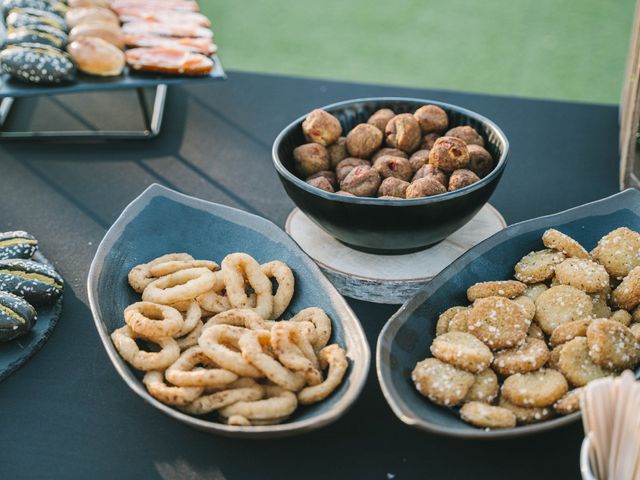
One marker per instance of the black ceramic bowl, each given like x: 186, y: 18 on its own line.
x: 406, y: 337
x: 383, y: 225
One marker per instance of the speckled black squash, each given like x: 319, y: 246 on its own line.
x: 41, y: 34
x: 17, y: 244
x: 35, y: 63
x: 26, y: 17
x: 17, y: 316
x: 37, y: 283
x: 52, y: 6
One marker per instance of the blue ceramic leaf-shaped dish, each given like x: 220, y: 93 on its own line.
x: 406, y: 337
x: 163, y: 221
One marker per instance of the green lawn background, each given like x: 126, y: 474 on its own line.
x: 560, y: 49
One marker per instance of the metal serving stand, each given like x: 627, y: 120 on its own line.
x: 11, y: 92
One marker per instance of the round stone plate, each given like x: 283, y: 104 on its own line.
x: 15, y: 353
x: 391, y: 279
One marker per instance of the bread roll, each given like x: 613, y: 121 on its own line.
x: 76, y: 16
x: 88, y: 3
x: 96, y: 56
x: 104, y: 30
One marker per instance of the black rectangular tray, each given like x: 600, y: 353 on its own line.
x: 87, y: 83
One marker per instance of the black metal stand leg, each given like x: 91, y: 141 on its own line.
x: 153, y: 123
x: 158, y: 109
x: 5, y: 107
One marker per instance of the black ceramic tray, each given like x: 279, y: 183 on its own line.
x: 11, y: 90
x: 15, y: 353
x: 87, y: 83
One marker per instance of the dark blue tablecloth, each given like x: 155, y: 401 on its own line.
x: 67, y: 414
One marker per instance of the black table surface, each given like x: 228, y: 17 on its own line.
x: 67, y: 414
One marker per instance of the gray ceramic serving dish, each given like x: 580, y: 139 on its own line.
x: 162, y: 221
x: 406, y: 337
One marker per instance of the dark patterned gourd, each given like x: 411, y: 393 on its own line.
x: 37, y: 283
x: 52, y: 6
x: 40, y: 34
x: 26, y: 17
x: 36, y: 63
x: 17, y: 244
x: 17, y: 316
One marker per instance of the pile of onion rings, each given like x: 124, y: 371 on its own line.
x: 214, y: 342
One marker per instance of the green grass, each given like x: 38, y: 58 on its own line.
x: 561, y: 49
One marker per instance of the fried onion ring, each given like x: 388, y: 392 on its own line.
x: 336, y: 358
x: 252, y: 351
x: 183, y: 372
x: 214, y: 300
x: 269, y: 421
x: 243, y: 390
x: 182, y: 307
x: 191, y: 338
x: 320, y: 320
x: 238, y: 421
x: 167, y: 268
x: 150, y: 320
x: 216, y: 342
x: 239, y: 317
x: 279, y: 403
x: 286, y: 283
x: 303, y: 337
x: 179, y: 286
x: 290, y: 355
x: 176, y: 396
x: 192, y: 316
x: 234, y: 269
x: 124, y: 340
x: 140, y: 276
